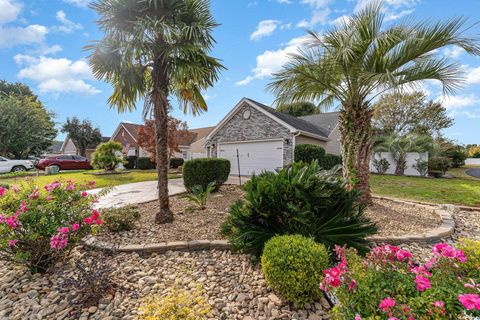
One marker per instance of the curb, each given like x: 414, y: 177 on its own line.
x: 445, y: 230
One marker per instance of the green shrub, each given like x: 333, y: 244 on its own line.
x: 120, y: 219
x: 129, y: 162
x: 421, y: 166
x: 107, y: 155
x: 308, y: 153
x: 301, y: 199
x: 381, y: 165
x: 330, y: 161
x: 202, y: 171
x: 199, y: 196
x: 145, y: 163
x: 471, y: 249
x: 441, y: 164
x: 5, y: 186
x: 176, y: 162
x: 293, y: 266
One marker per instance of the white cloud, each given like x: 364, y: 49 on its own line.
x: 12, y: 36
x: 9, y: 11
x: 272, y: 61
x: 390, y: 16
x: 67, y: 25
x: 473, y: 76
x: 264, y: 29
x: 284, y: 1
x: 56, y: 75
x: 453, y: 52
x: 317, y: 3
x: 393, y: 9
x: 460, y: 101
x: 79, y: 3
x: 340, y: 20
x: 318, y: 17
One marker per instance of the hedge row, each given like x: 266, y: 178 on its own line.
x: 202, y: 171
x: 309, y: 152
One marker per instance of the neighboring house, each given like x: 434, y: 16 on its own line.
x: 127, y: 134
x: 69, y: 147
x: 191, y: 146
x: 260, y: 138
x: 54, y: 150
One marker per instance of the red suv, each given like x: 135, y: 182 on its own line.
x: 65, y: 162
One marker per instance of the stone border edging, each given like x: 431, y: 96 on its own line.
x: 464, y: 208
x: 445, y: 230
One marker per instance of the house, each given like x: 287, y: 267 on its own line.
x: 127, y: 134
x: 69, y: 147
x: 257, y: 137
x: 191, y: 146
x: 54, y: 150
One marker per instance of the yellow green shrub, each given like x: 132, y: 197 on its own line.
x: 471, y: 249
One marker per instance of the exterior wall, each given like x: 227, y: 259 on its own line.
x: 69, y: 148
x: 197, y: 146
x: 308, y: 140
x: 258, y: 127
x: 129, y: 144
x: 473, y: 161
x: 334, y: 146
x: 89, y: 153
x: 411, y: 160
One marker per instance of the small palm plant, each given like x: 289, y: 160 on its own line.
x: 199, y: 196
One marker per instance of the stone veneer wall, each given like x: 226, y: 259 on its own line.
x: 259, y: 126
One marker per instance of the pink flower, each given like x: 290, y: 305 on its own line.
x: 357, y: 317
x: 422, y: 283
x: 470, y: 301
x: 12, y: 243
x: 84, y: 194
x: 99, y: 222
x: 460, y: 256
x: 91, y: 184
x: 403, y: 255
x: 63, y: 230
x: 88, y: 220
x: 58, y: 241
x: 422, y: 271
x: 52, y: 186
x: 392, y: 318
x: 3, y: 191
x: 75, y: 227
x: 15, y: 189
x: 386, y: 304
x: 332, y: 276
x: 35, y: 194
x: 438, y: 304
x: 12, y: 222
x: 49, y: 198
x: 23, y: 206
x: 95, y: 214
x: 70, y: 186
x: 352, y: 285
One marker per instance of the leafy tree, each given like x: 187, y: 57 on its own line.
x: 402, y: 113
x: 447, y: 148
x: 107, y: 155
x: 298, y: 109
x: 26, y: 127
x: 151, y: 50
x: 399, y: 146
x: 17, y: 89
x: 360, y: 59
x: 82, y: 133
x: 177, y: 131
x: 474, y: 151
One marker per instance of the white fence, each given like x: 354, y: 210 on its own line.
x: 411, y: 160
x: 473, y: 161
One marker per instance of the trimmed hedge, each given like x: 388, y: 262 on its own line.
x: 144, y: 163
x: 330, y: 161
x: 293, y: 266
x: 130, y: 162
x: 309, y: 152
x: 176, y: 162
x: 202, y: 171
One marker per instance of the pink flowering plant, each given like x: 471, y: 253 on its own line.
x: 38, y: 225
x: 388, y: 284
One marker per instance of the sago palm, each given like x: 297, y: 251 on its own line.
x: 153, y: 49
x: 360, y: 59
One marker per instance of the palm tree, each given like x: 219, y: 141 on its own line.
x: 360, y: 59
x: 150, y: 50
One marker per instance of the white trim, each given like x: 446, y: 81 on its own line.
x: 249, y: 141
x: 311, y: 135
x: 338, y: 122
x: 62, y: 149
x: 118, y: 129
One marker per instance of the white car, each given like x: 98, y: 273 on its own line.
x: 7, y: 165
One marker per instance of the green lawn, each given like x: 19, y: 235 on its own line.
x: 462, y: 190
x: 85, y: 176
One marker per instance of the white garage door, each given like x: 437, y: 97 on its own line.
x: 254, y: 157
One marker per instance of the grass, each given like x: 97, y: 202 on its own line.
x: 85, y: 176
x: 461, y: 190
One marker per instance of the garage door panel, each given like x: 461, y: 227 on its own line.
x: 254, y: 157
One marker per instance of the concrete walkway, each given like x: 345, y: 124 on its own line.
x: 134, y: 193
x: 473, y: 172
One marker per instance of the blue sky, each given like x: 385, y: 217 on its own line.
x: 41, y: 44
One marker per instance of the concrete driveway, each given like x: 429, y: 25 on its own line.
x: 134, y: 193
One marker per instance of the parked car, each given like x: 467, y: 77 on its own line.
x: 7, y: 165
x: 65, y: 162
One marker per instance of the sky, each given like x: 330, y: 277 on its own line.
x: 41, y: 44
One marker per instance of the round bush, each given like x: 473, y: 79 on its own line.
x: 202, y: 171
x: 107, y: 156
x: 176, y: 162
x: 330, y: 161
x: 144, y: 163
x: 293, y: 266
x: 120, y: 219
x: 309, y: 152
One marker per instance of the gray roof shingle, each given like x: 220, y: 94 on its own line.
x: 327, y: 120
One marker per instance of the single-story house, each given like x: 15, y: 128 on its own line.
x: 69, y: 147
x: 259, y: 137
x: 191, y: 146
x: 54, y: 150
x: 127, y: 134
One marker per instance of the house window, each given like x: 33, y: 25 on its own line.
x: 184, y: 155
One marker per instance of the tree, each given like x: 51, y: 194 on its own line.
x: 360, y: 59
x: 473, y: 151
x: 107, y: 156
x: 26, y: 127
x: 403, y: 113
x: 399, y: 146
x: 298, y: 109
x: 177, y: 132
x: 17, y: 89
x: 152, y: 50
x: 82, y: 133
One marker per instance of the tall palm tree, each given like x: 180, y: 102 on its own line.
x: 360, y: 59
x: 152, y: 49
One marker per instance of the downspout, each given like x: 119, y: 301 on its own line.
x: 295, y: 134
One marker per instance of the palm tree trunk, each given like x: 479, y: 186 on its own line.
x: 160, y: 112
x: 356, y: 139
x: 401, y: 164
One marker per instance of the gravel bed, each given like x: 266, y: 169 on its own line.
x: 396, y: 219
x: 234, y: 287
x: 188, y: 225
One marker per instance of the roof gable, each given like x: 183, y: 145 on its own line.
x: 327, y: 121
